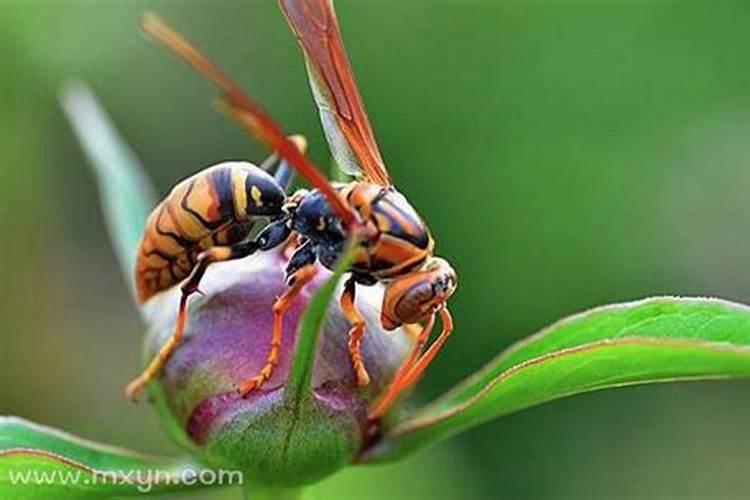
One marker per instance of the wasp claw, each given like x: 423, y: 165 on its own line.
x: 246, y: 388
x: 134, y: 390
x: 363, y: 378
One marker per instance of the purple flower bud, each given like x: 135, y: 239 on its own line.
x: 226, y: 342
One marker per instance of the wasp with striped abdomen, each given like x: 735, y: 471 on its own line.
x: 206, y: 218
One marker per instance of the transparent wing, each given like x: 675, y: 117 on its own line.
x: 246, y: 111
x: 342, y: 112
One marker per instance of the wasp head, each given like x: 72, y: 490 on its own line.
x: 414, y: 296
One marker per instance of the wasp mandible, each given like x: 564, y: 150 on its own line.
x: 206, y: 218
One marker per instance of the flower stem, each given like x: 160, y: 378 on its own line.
x: 255, y: 492
x: 299, y: 386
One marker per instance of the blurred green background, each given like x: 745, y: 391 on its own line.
x: 566, y: 154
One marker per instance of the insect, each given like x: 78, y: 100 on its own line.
x: 393, y: 245
x: 206, y: 218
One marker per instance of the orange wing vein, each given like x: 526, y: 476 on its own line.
x: 246, y: 112
x: 342, y: 112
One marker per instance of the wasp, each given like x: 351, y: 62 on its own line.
x: 207, y: 218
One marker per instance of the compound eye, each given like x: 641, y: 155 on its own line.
x: 440, y: 285
x: 443, y: 286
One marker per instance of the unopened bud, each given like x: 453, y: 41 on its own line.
x: 274, y: 439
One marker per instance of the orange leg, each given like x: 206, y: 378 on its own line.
x: 190, y: 286
x: 397, y: 386
x: 418, y: 369
x: 299, y: 279
x: 134, y: 388
x: 356, y: 332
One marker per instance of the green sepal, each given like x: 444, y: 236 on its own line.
x: 311, y: 324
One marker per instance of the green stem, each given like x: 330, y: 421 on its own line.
x: 311, y: 323
x: 255, y: 492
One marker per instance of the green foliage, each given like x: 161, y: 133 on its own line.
x: 589, y: 121
x: 124, y: 190
x: 649, y: 341
x: 37, y: 462
x: 317, y: 443
x: 311, y: 324
x: 654, y: 340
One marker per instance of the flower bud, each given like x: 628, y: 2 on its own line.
x: 275, y: 440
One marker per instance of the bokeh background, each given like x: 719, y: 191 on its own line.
x: 566, y: 154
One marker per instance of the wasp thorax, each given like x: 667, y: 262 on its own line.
x: 227, y: 341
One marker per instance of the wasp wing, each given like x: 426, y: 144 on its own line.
x: 342, y: 112
x: 246, y: 111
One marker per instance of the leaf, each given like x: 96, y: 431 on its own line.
x: 653, y: 340
x: 310, y: 326
x: 125, y: 192
x: 40, y: 462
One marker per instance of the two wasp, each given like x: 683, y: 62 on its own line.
x: 209, y: 217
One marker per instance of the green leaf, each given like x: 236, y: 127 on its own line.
x: 310, y: 326
x: 40, y: 462
x: 653, y: 340
x: 125, y: 192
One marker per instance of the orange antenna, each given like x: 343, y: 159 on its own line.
x: 247, y: 112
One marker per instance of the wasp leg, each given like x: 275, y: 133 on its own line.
x: 189, y: 287
x: 285, y: 172
x: 418, y: 369
x: 397, y: 385
x: 300, y: 271
x: 136, y: 386
x: 273, y: 235
x: 356, y: 331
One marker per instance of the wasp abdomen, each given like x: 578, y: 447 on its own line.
x: 216, y: 206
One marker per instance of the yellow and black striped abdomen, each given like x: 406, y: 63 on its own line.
x: 216, y: 206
